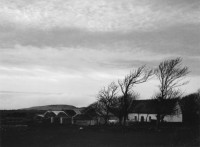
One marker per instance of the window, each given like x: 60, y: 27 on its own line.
x: 135, y: 118
x: 142, y: 118
x: 149, y: 118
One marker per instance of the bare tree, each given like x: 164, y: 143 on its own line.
x: 137, y: 76
x: 106, y: 97
x: 170, y: 74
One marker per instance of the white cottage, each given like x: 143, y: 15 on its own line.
x: 146, y: 110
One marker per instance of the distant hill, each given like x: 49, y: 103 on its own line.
x: 55, y: 108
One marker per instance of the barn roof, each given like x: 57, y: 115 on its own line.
x: 153, y: 106
x: 70, y: 113
x: 56, y: 113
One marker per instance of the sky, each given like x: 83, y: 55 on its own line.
x: 65, y: 51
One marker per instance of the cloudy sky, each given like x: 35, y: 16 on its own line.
x: 65, y: 51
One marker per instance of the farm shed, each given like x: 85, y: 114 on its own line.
x: 55, y: 117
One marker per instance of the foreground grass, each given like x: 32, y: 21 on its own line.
x: 72, y: 136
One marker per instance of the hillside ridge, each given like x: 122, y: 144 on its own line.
x: 54, y: 107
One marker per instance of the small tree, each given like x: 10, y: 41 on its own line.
x: 170, y: 74
x: 117, y: 107
x: 140, y: 75
x: 95, y: 110
x: 106, y: 97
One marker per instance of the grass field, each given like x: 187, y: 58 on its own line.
x: 72, y: 136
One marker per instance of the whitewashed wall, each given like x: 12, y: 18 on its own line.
x: 168, y: 118
x: 135, y: 117
x: 173, y: 118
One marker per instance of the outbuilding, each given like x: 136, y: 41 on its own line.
x: 54, y: 117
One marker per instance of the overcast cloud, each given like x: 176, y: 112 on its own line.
x: 63, y: 52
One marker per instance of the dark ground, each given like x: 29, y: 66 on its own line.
x: 112, y: 136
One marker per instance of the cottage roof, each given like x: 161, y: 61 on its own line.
x: 153, y: 106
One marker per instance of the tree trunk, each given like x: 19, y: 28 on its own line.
x: 158, y: 121
x: 120, y: 120
x: 125, y: 111
x: 124, y: 121
x: 106, y: 117
x: 162, y: 118
x: 106, y: 120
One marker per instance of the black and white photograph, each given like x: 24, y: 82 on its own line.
x: 99, y: 73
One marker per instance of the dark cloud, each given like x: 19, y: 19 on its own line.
x: 190, y: 62
x: 180, y: 39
